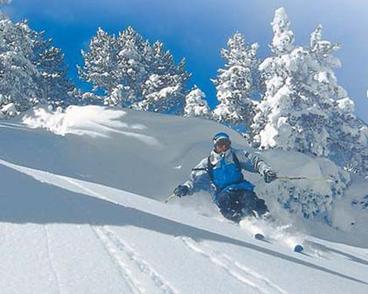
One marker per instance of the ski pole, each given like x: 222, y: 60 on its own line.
x: 305, y: 178
x: 172, y: 196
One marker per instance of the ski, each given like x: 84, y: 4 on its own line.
x: 298, y: 248
x: 259, y: 236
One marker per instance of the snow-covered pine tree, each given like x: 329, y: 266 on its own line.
x: 54, y: 87
x: 271, y: 126
x: 236, y: 82
x: 116, y: 66
x: 294, y: 115
x: 16, y: 69
x: 32, y: 70
x: 196, y: 104
x: 100, y: 63
x: 164, y: 89
x: 348, y: 137
x: 304, y: 108
x: 290, y: 115
x: 131, y: 71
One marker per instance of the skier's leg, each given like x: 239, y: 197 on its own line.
x: 230, y: 205
x: 252, y: 205
x: 248, y: 203
x: 236, y: 204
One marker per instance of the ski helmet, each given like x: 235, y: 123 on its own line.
x: 220, y: 136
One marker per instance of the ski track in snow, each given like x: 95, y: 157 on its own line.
x: 53, y: 270
x: 125, y: 272
x: 240, y: 272
x: 122, y: 250
x: 126, y: 259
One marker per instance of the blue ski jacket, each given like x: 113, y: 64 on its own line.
x: 224, y: 172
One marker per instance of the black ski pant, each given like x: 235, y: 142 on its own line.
x: 237, y: 204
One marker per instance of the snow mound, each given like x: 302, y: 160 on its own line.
x: 164, y: 156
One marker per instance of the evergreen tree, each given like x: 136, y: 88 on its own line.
x: 131, y: 66
x: 288, y: 116
x: 196, y: 104
x: 133, y: 73
x: 116, y: 66
x: 348, y: 137
x: 283, y: 36
x: 16, y: 69
x: 54, y: 87
x: 235, y: 83
x: 304, y: 108
x: 164, y: 89
x: 100, y: 62
x: 31, y: 70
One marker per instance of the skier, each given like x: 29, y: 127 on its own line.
x: 232, y: 193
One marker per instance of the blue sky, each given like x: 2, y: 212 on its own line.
x: 198, y: 29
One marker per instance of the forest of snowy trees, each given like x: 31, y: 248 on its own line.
x: 131, y: 72
x: 289, y: 100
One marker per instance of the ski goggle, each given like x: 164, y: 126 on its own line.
x: 223, y: 142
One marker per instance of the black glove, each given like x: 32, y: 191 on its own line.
x: 181, y: 190
x: 269, y: 176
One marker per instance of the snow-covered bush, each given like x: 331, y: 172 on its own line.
x: 312, y: 197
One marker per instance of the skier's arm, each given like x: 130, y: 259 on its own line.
x: 198, y: 176
x: 252, y: 162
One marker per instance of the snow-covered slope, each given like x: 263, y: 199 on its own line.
x: 83, y: 213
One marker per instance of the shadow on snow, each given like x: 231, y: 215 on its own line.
x: 25, y: 200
